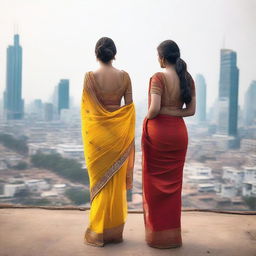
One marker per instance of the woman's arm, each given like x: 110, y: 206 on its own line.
x: 128, y: 92
x: 156, y: 85
x: 189, y: 110
x: 155, y: 106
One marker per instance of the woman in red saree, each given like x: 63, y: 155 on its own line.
x: 164, y: 147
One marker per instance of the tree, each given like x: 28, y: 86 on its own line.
x: 17, y: 145
x: 23, y: 193
x: 78, y: 196
x: 65, y: 167
x: 250, y: 201
x: 22, y: 165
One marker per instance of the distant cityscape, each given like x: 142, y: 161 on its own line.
x: 42, y: 156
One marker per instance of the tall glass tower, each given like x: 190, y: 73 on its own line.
x: 201, y: 98
x: 63, y: 94
x: 13, y: 103
x: 228, y: 88
x: 250, y: 105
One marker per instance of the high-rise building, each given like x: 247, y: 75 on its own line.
x: 228, y: 88
x: 13, y: 103
x: 48, y: 112
x: 201, y: 98
x: 223, y: 123
x: 63, y: 94
x: 36, y: 109
x: 250, y: 105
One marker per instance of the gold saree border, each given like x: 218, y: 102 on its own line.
x: 164, y: 239
x: 110, y: 172
x: 114, y: 235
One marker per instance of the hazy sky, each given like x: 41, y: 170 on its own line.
x: 58, y: 39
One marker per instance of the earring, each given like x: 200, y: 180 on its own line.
x: 162, y: 63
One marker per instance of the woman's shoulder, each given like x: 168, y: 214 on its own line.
x: 126, y: 76
x: 87, y: 73
x: 125, y: 73
x: 87, y: 77
x: 158, y: 76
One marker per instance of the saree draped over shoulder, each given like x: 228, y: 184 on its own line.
x: 108, y: 139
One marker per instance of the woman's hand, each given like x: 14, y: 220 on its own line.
x: 129, y: 181
x: 189, y: 110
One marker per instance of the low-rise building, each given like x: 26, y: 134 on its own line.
x: 233, y: 175
x: 11, y: 189
x: 59, y: 188
x: 208, y: 187
x: 249, y: 189
x: 37, y: 184
x: 228, y: 191
x: 71, y: 151
x: 249, y: 173
x: 248, y: 145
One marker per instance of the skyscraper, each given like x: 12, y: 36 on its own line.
x: 63, y: 94
x: 48, y: 111
x: 201, y: 98
x: 36, y: 109
x: 223, y: 122
x: 250, y: 104
x: 13, y: 103
x: 228, y: 89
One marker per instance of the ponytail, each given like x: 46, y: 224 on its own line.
x: 185, y: 87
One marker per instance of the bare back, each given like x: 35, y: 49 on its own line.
x: 167, y: 85
x: 110, y: 86
x: 172, y: 94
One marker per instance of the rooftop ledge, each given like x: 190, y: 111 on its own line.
x: 52, y: 231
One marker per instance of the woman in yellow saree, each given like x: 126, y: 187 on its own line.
x: 108, y: 137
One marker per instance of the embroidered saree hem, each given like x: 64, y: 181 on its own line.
x: 110, y: 235
x: 170, y: 238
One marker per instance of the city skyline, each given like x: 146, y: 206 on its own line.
x: 48, y: 41
x: 227, y: 99
x: 13, y: 104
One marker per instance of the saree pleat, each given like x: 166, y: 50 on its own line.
x: 108, y: 139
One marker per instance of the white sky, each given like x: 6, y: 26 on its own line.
x: 58, y: 39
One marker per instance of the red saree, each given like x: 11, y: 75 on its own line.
x: 164, y: 147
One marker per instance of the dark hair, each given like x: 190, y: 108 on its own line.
x: 105, y: 49
x: 170, y: 51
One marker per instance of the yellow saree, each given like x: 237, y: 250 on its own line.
x: 108, y: 139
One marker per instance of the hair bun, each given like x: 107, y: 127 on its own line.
x: 105, y: 49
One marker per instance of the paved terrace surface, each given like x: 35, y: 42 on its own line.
x: 36, y: 231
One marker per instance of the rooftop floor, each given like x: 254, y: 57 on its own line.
x: 41, y: 232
